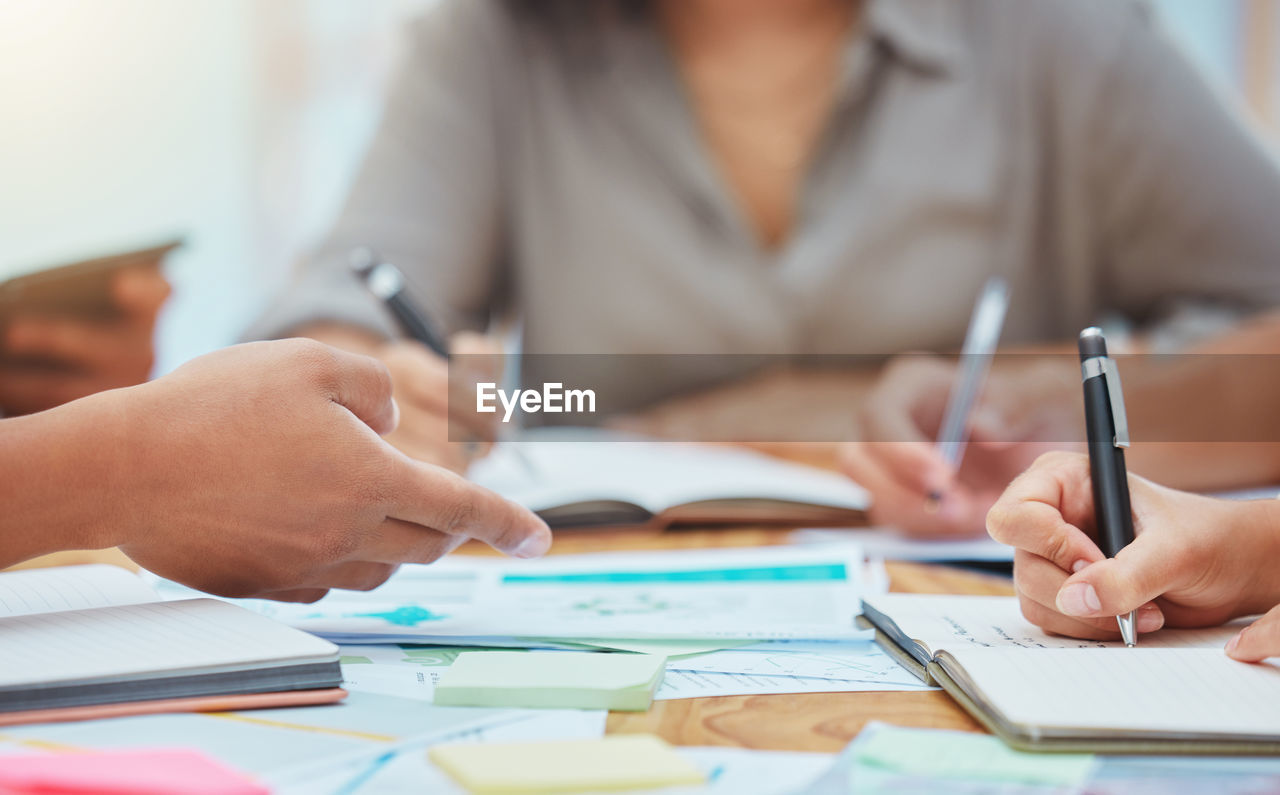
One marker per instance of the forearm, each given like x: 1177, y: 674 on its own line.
x: 61, y: 478
x: 1206, y: 419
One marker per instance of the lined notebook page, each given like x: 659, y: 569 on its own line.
x: 129, y: 640
x: 1198, y: 691
x: 952, y: 623
x: 70, y: 588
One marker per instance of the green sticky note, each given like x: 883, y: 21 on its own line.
x: 618, y: 762
x: 962, y: 755
x: 560, y: 679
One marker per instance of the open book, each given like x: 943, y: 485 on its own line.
x: 621, y: 481
x: 1177, y: 692
x: 88, y: 636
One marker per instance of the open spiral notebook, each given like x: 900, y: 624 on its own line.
x: 1177, y: 692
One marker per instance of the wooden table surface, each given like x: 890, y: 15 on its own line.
x: 784, y: 722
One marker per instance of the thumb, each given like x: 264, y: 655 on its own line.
x: 1142, y: 571
x: 1259, y: 640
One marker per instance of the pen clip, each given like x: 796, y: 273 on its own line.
x: 1118, y: 417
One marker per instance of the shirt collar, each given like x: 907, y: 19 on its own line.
x: 924, y: 34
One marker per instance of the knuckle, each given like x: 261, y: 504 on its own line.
x: 337, y: 545
x: 1058, y: 548
x: 460, y: 513
x: 317, y: 361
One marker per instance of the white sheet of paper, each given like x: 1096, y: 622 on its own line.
x: 33, y: 591
x: 695, y: 684
x: 1200, y: 691
x: 888, y: 544
x: 740, y: 770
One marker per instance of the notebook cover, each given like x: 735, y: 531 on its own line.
x: 293, y: 698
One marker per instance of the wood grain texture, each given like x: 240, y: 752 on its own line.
x: 789, y: 722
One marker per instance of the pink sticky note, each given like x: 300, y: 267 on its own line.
x: 133, y: 772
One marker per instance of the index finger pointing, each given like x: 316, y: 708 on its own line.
x: 1030, y: 515
x: 437, y: 498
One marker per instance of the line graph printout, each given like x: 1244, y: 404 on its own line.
x: 850, y: 661
x: 763, y: 593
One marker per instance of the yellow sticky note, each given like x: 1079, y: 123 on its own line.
x: 559, y: 680
x: 619, y: 762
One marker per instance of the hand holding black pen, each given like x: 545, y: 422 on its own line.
x: 1108, y: 435
x: 386, y: 283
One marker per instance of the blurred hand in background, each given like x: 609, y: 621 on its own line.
x: 1021, y: 413
x: 47, y: 359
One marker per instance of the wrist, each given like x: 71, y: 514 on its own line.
x: 61, y: 476
x: 1256, y: 531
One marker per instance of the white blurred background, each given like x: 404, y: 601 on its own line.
x: 238, y: 124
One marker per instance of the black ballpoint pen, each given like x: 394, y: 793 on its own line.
x: 385, y: 281
x: 1108, y: 434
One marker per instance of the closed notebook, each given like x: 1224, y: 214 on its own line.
x: 557, y: 680
x: 577, y: 477
x: 619, y: 762
x: 83, y: 636
x: 1177, y: 692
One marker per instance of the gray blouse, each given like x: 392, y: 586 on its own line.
x: 558, y: 173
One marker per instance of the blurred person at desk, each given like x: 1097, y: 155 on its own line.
x: 786, y: 177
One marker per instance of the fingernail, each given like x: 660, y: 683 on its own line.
x: 1231, y: 644
x: 535, y: 546
x: 1150, y: 619
x: 1078, y: 565
x: 1079, y: 600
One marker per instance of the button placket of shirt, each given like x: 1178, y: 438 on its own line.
x: 865, y: 65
